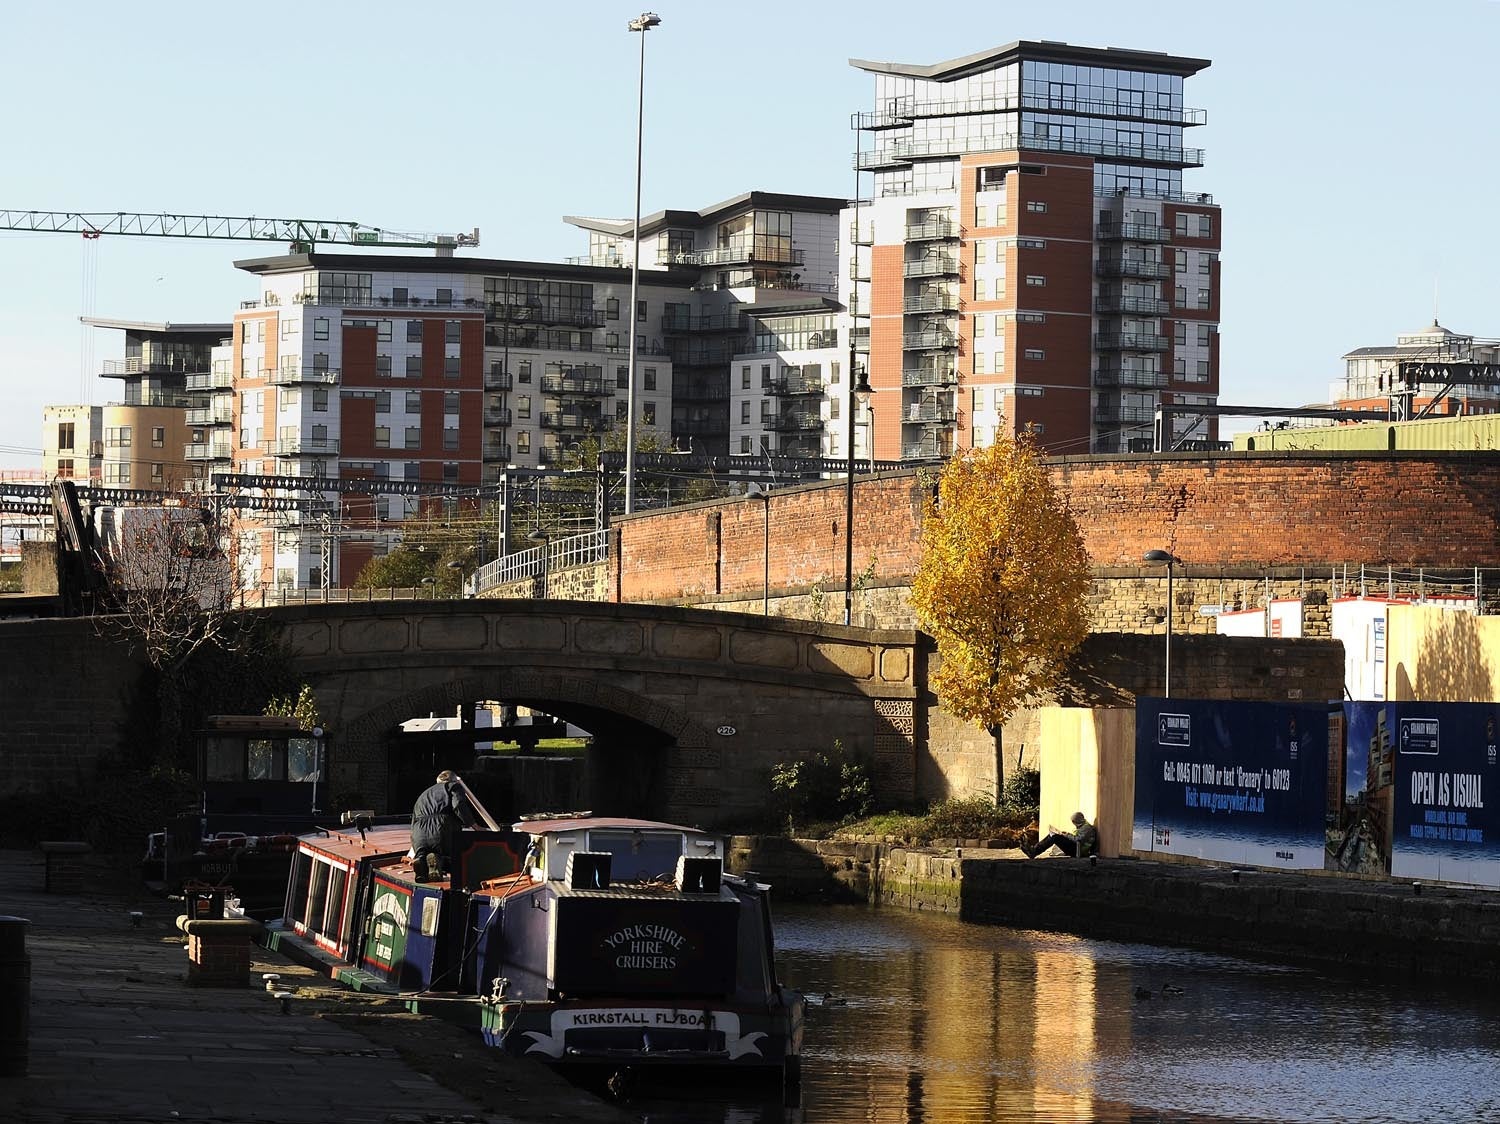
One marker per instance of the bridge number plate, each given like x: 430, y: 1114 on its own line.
x: 726, y: 731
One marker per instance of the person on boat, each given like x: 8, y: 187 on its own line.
x: 435, y: 818
x: 1079, y: 843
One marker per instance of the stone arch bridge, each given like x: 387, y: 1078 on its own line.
x: 689, y: 708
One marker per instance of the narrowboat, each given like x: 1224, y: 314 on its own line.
x: 580, y: 941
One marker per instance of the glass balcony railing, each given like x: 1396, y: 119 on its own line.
x: 289, y: 374
x: 905, y: 151
x: 1130, y: 341
x: 1133, y: 232
x: 739, y: 251
x: 586, y: 386
x: 208, y: 451
x: 1132, y: 267
x: 303, y: 445
x: 902, y: 111
x: 210, y: 380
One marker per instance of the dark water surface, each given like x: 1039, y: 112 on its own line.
x: 929, y: 1020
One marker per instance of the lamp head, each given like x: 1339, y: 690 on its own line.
x: 1160, y: 556
x: 645, y: 22
x: 863, y: 390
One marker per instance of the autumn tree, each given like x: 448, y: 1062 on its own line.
x: 1002, y: 585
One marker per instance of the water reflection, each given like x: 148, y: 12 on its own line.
x: 921, y: 1020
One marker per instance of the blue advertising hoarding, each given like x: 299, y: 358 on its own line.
x: 1241, y: 782
x: 1445, y: 813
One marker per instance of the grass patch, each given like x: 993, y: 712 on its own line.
x: 559, y: 747
x: 977, y: 818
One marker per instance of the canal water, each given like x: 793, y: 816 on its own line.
x: 918, y: 1019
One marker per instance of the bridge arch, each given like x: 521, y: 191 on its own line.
x: 689, y: 708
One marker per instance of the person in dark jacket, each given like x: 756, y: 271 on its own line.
x: 435, y: 818
x: 1080, y: 843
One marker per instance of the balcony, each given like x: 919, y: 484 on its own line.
x: 602, y: 261
x: 576, y: 420
x: 290, y: 374
x: 752, y: 250
x: 1133, y: 232
x: 219, y: 413
x: 1130, y: 377
x: 931, y: 302
x: 681, y: 321
x: 706, y: 353
x: 928, y: 341
x: 717, y: 426
x: 303, y: 446
x: 537, y: 312
x: 497, y: 415
x: 210, y: 380
x: 793, y: 385
x: 138, y: 365
x: 934, y: 265
x: 933, y: 374
x: 945, y: 413
x: 932, y: 230
x: 209, y: 451
x: 1140, y: 306
x: 922, y: 450
x: 497, y: 378
x: 906, y: 150
x: 1133, y: 267
x: 861, y: 237
x: 584, y: 386
x: 902, y: 111
x: 495, y: 451
x: 793, y: 421
x: 1114, y: 414
x: 859, y: 268
x: 1131, y: 341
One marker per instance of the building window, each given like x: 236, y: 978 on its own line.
x: 523, y: 442
x: 1204, y: 298
x: 612, y: 308
x: 612, y: 340
x: 978, y: 398
x: 413, y: 401
x: 65, y: 468
x: 65, y: 435
x: 765, y: 374
x: 413, y: 437
x: 382, y: 401
x: 1035, y: 280
x: 445, y: 298
x: 383, y: 331
x: 1032, y: 243
x: 745, y: 412
x: 450, y: 367
x: 1179, y: 296
x: 979, y: 321
x: 523, y: 371
x: 382, y: 437
x: 981, y: 253
x: 450, y: 401
x: 1179, y: 368
x: 1205, y: 264
x: 1205, y: 226
x: 621, y: 410
x: 450, y: 471
x: 622, y: 378
x: 650, y: 378
x: 979, y: 289
x: 383, y: 365
x: 648, y: 413
x: 745, y: 443
x: 452, y: 331
x: 979, y: 363
x: 156, y: 474
x: 320, y: 328
x: 981, y: 215
x: 1205, y: 335
x: 1036, y: 206
x: 413, y: 366
x: 1179, y: 334
x: 1035, y: 353
x: 450, y: 438
x: 158, y: 436
x: 744, y: 379
x: 640, y: 312
x: 398, y: 295
x: 1203, y: 370
x: 523, y: 406
x: 414, y: 331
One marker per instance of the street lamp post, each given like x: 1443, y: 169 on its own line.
x: 858, y: 396
x: 642, y: 23
x: 539, y: 537
x: 762, y: 493
x: 1168, y: 559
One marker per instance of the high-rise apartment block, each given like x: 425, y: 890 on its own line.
x: 1027, y: 259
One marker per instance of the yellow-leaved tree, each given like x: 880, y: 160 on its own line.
x: 1003, y: 582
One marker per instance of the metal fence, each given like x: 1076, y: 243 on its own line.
x: 561, y: 554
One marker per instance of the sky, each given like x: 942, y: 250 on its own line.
x: 1352, y: 146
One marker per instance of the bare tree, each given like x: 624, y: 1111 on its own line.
x: 174, y: 581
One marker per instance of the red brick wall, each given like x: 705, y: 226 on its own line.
x: 1256, y: 510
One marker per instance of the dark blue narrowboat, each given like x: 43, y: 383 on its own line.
x: 576, y: 940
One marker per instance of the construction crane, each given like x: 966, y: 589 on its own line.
x: 302, y: 235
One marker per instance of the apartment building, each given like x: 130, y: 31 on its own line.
x: 138, y: 440
x: 1432, y: 372
x: 1026, y: 257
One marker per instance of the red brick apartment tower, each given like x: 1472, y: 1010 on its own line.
x: 1027, y: 257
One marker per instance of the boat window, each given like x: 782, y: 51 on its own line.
x: 301, y: 759
x: 317, y: 896
x: 225, y: 760
x: 265, y: 764
x: 639, y: 856
x: 335, y: 907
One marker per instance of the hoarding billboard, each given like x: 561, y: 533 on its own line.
x: 1238, y: 782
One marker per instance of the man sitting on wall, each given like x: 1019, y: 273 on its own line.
x: 1079, y: 843
x: 435, y: 820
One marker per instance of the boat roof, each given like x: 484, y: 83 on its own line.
x: 607, y: 823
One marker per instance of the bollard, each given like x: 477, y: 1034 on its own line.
x: 15, y: 997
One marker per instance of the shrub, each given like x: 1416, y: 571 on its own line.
x: 830, y: 787
x: 1022, y: 790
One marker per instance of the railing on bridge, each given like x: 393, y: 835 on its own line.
x: 538, y: 561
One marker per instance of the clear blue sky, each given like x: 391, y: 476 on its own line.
x: 1352, y: 146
